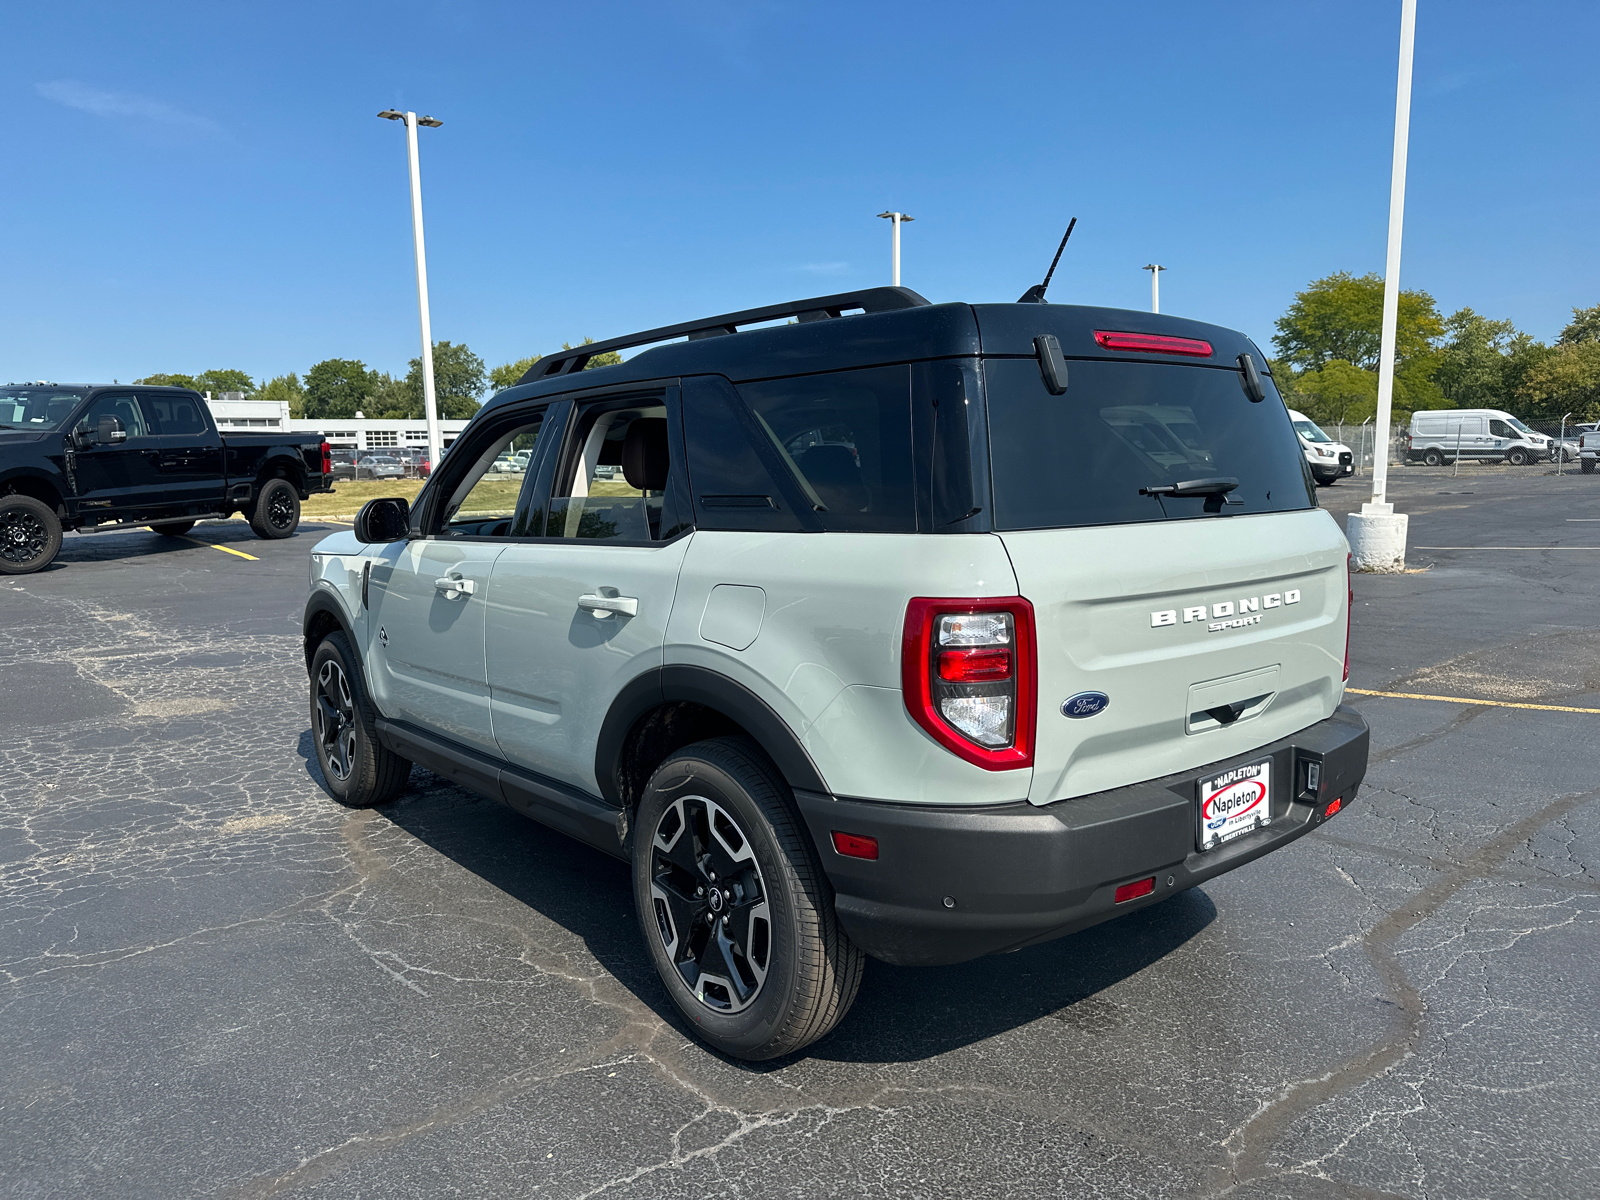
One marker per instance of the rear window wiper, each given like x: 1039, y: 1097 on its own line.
x: 1221, y: 485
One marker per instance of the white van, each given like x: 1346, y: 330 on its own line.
x: 1330, y: 461
x: 1485, y: 434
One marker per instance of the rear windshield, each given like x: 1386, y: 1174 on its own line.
x: 36, y: 408
x: 1080, y: 458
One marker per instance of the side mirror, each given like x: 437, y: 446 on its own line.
x: 384, y: 520
x: 111, y: 431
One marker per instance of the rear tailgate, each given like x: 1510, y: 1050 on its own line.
x: 1110, y: 605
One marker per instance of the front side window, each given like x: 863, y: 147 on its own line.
x: 123, y: 407
x: 484, y: 503
x: 847, y: 438
x: 615, y: 482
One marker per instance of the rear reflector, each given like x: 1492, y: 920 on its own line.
x: 1132, y: 891
x: 855, y: 845
x: 1332, y: 808
x: 1152, y: 343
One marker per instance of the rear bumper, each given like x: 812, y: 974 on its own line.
x: 953, y: 884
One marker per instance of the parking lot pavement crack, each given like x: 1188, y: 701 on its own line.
x: 1248, y: 1146
x: 1464, y: 717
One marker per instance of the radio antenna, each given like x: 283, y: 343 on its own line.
x: 1035, y: 294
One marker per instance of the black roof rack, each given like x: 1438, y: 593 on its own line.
x: 817, y: 308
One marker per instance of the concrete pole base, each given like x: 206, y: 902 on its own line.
x: 1377, y: 538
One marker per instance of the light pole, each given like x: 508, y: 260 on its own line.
x: 896, y: 218
x: 1155, y: 270
x: 430, y: 404
x: 1377, y: 532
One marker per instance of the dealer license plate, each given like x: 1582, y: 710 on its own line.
x: 1235, y: 802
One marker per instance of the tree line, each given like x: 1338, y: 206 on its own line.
x: 1328, y: 342
x: 342, y: 387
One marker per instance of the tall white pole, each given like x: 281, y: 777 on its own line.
x: 1155, y: 290
x: 1377, y: 532
x: 895, y: 271
x: 430, y: 405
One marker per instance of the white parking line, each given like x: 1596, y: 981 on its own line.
x: 1508, y: 547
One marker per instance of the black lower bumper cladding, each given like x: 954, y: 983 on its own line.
x: 953, y: 884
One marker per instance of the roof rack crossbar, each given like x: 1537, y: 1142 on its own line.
x: 816, y: 308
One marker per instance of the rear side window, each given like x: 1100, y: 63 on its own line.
x: 172, y: 415
x: 847, y: 438
x: 1080, y: 458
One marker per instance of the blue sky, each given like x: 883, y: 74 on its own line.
x: 203, y: 185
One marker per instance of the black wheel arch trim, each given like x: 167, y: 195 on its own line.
x: 324, y: 602
x: 699, y: 685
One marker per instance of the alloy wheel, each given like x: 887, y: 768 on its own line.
x: 23, y: 536
x: 710, y: 904
x: 280, y: 510
x: 336, y: 720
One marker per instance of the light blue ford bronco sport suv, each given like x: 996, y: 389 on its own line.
x: 920, y: 631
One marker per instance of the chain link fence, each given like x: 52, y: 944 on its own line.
x: 1360, y: 439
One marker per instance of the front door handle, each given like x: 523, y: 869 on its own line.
x: 603, y: 606
x: 454, y: 587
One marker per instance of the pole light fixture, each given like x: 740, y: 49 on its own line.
x: 430, y: 401
x: 897, y: 219
x: 1155, y: 270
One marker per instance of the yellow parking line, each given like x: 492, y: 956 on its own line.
x: 1468, y: 700
x: 224, y: 549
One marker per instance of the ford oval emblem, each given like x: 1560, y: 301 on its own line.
x: 1085, y: 704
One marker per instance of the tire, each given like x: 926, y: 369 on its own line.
x: 1586, y: 465
x: 357, y: 771
x: 1432, y: 458
x: 30, y: 534
x: 778, y: 972
x: 172, y: 528
x: 1517, y: 458
x: 276, y: 512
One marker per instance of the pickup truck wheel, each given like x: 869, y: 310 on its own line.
x: 357, y: 770
x: 30, y: 534
x: 172, y: 528
x: 734, y: 906
x: 276, y: 513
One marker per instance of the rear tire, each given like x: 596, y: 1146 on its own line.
x: 30, y: 534
x: 172, y: 528
x: 761, y: 969
x: 357, y: 771
x: 276, y: 513
x: 1432, y: 458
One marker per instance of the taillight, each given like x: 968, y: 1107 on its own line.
x: 1349, y: 603
x: 1152, y: 343
x: 327, y: 459
x: 968, y: 668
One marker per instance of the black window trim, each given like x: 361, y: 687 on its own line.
x: 497, y: 421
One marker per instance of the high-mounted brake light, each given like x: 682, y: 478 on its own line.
x: 855, y: 845
x: 1152, y: 343
x: 968, y: 669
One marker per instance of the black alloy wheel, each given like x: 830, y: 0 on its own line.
x: 734, y: 906
x: 358, y: 770
x: 30, y: 534
x: 277, y: 510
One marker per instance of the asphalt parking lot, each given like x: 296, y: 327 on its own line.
x: 216, y: 981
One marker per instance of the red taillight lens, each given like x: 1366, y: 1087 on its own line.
x: 1132, y: 891
x: 327, y: 459
x: 855, y: 845
x: 1349, y: 603
x: 974, y: 666
x: 968, y: 669
x: 1333, y: 808
x: 1152, y: 343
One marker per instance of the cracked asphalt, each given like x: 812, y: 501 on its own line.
x: 214, y: 981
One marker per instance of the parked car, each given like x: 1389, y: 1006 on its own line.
x: 1588, y: 447
x: 505, y: 464
x: 343, y: 464
x: 1485, y: 434
x: 1330, y: 461
x: 97, y: 458
x: 900, y: 694
x: 379, y: 466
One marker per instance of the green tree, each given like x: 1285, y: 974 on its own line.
x: 1338, y: 392
x: 1341, y: 317
x: 507, y: 374
x: 337, y: 387
x: 285, y: 388
x: 609, y: 359
x: 183, y: 381
x: 217, y: 382
x: 459, y: 381
x: 393, y: 399
x: 1584, y: 327
x: 1565, y: 380
x: 1472, y: 363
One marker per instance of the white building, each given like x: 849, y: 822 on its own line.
x: 232, y: 411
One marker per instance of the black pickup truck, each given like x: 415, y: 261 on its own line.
x: 96, y: 458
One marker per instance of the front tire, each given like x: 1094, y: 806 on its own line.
x: 357, y: 770
x: 172, y: 528
x: 1517, y: 458
x: 30, y: 534
x: 277, y: 510
x: 734, y: 906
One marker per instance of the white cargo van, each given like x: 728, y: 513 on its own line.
x: 1485, y: 434
x: 1330, y: 461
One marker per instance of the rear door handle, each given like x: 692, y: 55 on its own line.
x: 603, y: 606
x: 454, y: 587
